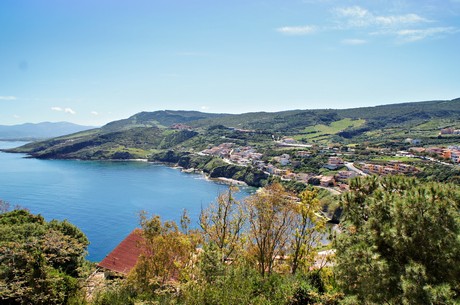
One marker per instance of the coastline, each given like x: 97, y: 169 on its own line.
x: 222, y: 180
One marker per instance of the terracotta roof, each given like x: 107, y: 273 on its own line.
x: 124, y: 257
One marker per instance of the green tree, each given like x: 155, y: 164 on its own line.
x: 222, y: 224
x: 39, y: 261
x: 270, y: 215
x: 400, y: 242
x: 167, y: 254
x: 309, y: 227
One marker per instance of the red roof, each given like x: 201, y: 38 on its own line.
x: 124, y: 257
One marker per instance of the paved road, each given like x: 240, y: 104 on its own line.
x: 351, y: 167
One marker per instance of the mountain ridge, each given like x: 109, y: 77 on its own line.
x: 42, y: 130
x: 147, y: 133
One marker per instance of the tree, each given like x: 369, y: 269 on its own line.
x: 39, y: 261
x: 222, y: 224
x: 309, y: 227
x: 400, y: 242
x: 167, y: 253
x: 270, y: 215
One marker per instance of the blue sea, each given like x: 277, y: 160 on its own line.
x: 103, y: 198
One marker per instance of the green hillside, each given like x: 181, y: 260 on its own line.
x: 147, y: 133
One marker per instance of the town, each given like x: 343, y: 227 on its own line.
x: 338, y: 163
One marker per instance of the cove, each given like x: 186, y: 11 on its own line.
x: 103, y: 198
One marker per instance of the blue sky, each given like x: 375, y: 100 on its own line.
x: 91, y: 62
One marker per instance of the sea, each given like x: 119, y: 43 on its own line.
x: 104, y: 198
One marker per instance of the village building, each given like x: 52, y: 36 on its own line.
x: 447, y: 131
x: 180, y: 126
x: 303, y: 154
x: 124, y: 257
x: 326, y: 181
x: 334, y: 163
x: 345, y: 175
x: 289, y: 140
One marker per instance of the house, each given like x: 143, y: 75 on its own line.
x: 124, y: 257
x: 303, y: 154
x: 180, y: 126
x: 345, y: 175
x: 334, y: 162
x: 327, y: 181
x: 289, y: 141
x: 447, y: 131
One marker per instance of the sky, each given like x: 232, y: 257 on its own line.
x: 94, y: 61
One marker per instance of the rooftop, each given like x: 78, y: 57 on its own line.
x: 124, y: 257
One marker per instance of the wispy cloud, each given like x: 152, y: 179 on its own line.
x: 204, y: 108
x: 411, y: 35
x: 8, y: 98
x: 69, y: 110
x: 354, y: 42
x: 66, y: 110
x: 297, y: 30
x: 357, y: 20
x: 356, y: 16
x: 94, y: 113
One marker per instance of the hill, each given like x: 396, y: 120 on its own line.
x: 37, y: 131
x: 149, y: 133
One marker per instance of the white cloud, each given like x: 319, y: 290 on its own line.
x: 66, y: 110
x: 356, y: 16
x: 297, y: 30
x: 16, y: 116
x: 353, y: 11
x: 69, y: 110
x: 204, y: 108
x: 8, y: 98
x: 411, y: 35
x: 399, y: 19
x: 94, y: 113
x: 354, y: 42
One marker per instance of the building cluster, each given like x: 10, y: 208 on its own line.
x: 450, y: 153
x: 239, y: 155
x: 390, y: 168
x: 180, y: 126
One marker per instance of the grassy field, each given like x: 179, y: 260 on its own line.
x: 394, y: 158
x: 321, y: 133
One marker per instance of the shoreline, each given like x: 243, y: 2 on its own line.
x: 192, y: 170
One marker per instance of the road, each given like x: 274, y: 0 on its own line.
x: 351, y: 167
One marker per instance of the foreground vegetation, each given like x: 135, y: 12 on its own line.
x: 398, y: 243
x: 40, y: 262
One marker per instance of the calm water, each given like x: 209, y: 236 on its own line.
x: 102, y: 198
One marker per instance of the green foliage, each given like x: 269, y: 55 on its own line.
x: 440, y: 173
x: 115, y: 294
x: 242, y: 259
x: 270, y: 215
x: 39, y: 261
x: 222, y: 225
x: 400, y: 241
x: 239, y: 285
x: 308, y: 229
x: 166, y: 256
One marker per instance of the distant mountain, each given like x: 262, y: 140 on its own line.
x: 45, y: 130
